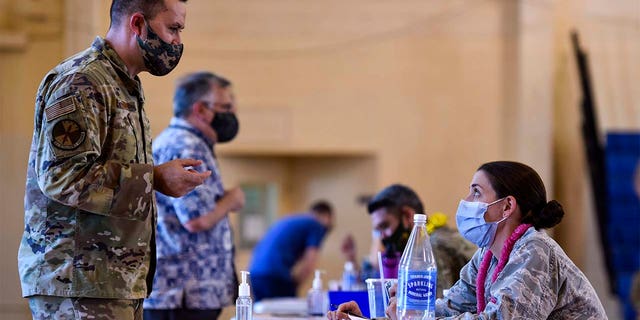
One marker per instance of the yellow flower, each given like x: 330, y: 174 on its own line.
x: 435, y: 221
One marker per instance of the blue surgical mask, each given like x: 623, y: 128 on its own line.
x: 471, y: 223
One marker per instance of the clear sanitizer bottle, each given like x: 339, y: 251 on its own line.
x: 417, y: 275
x: 317, y: 300
x: 244, y: 305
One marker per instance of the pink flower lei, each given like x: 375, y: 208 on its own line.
x: 486, y: 261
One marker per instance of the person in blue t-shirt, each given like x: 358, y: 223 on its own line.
x: 288, y: 252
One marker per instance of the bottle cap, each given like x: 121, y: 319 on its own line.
x: 243, y: 289
x: 317, y: 281
x: 419, y: 218
x: 348, y: 266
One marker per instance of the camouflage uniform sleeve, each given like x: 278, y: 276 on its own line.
x: 525, y: 289
x: 461, y: 297
x: 452, y: 252
x: 82, y: 160
x: 446, y: 271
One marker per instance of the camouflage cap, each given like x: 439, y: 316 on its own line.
x: 395, y: 196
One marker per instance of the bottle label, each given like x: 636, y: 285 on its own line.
x: 419, y: 291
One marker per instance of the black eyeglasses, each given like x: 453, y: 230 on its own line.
x: 212, y: 106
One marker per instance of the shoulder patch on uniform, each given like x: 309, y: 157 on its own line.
x: 60, y: 108
x: 67, y: 134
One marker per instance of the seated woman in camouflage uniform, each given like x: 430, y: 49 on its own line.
x: 518, y: 272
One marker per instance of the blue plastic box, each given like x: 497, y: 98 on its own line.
x: 361, y: 297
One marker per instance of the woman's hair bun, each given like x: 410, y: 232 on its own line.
x: 550, y: 215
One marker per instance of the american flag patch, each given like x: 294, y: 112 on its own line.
x: 60, y: 108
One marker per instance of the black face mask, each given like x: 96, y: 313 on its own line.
x: 398, y: 240
x: 225, y: 125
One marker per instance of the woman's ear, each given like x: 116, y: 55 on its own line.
x: 510, y: 205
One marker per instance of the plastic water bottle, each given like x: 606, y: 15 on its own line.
x: 417, y: 275
x: 349, y: 277
x: 244, y: 309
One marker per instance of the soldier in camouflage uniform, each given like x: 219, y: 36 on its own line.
x: 196, y: 276
x: 392, y: 211
x: 518, y: 272
x: 88, y: 248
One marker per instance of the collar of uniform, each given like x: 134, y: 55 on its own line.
x: 185, y: 125
x: 103, y: 47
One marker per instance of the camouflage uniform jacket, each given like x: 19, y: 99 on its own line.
x: 89, y: 201
x: 195, y: 270
x: 538, y: 282
x: 452, y: 252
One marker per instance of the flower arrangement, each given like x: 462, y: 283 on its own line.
x: 435, y: 221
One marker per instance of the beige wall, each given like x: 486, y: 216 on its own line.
x: 302, y: 179
x: 611, y: 38
x: 26, y: 53
x: 343, y: 97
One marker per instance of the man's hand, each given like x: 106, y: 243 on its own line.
x: 236, y: 198
x: 173, y: 179
x: 344, y: 310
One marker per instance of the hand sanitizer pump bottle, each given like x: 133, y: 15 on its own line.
x: 244, y: 308
x: 317, y: 299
